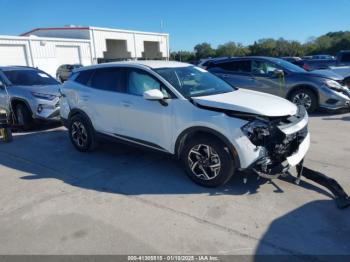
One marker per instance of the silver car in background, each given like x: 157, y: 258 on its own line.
x: 30, y: 94
x: 275, y: 76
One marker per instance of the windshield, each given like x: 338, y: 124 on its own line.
x: 28, y: 77
x: 287, y: 65
x: 193, y: 81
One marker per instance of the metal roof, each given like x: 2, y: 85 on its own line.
x: 67, y: 28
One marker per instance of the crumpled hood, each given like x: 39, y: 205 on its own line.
x: 251, y: 102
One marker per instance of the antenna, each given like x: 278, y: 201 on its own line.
x: 161, y: 25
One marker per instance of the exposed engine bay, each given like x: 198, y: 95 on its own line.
x: 279, y: 139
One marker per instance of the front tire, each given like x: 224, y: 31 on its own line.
x: 305, y: 98
x: 208, y: 162
x: 23, y: 116
x: 82, y: 134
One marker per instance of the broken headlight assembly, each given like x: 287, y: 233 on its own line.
x: 257, y: 131
x: 44, y: 96
x: 334, y: 85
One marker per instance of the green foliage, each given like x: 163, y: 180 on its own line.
x: 204, y: 50
x: 231, y: 49
x: 330, y: 43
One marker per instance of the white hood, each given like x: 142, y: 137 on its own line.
x: 247, y: 101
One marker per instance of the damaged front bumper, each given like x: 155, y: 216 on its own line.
x: 47, y: 110
x: 284, y: 145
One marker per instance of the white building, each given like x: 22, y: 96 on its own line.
x: 48, y: 48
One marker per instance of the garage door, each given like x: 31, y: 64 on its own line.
x: 13, y: 55
x: 68, y: 55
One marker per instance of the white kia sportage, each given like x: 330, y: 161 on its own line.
x: 213, y: 128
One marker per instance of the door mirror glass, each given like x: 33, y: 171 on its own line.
x: 153, y: 94
x: 278, y: 73
x: 2, y: 85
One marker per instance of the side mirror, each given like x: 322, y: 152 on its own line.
x: 154, y: 94
x: 278, y: 73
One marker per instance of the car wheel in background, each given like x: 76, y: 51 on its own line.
x: 208, y: 161
x: 23, y: 116
x: 305, y: 98
x: 82, y: 133
x: 8, y: 135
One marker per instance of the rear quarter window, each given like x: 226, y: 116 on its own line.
x: 108, y: 79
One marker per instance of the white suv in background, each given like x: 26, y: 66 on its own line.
x: 183, y: 110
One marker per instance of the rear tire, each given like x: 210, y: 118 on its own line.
x: 208, y: 162
x: 305, y: 98
x: 82, y: 134
x: 23, y: 116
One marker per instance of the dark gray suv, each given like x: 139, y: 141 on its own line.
x: 281, y: 78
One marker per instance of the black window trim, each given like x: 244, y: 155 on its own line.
x: 93, y: 71
x: 217, y: 65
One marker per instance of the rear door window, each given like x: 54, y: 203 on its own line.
x: 243, y: 66
x: 108, y: 79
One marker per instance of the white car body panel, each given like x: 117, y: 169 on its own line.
x: 133, y: 118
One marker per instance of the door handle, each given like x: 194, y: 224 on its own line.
x: 225, y: 76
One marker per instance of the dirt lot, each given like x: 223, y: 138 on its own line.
x: 121, y: 200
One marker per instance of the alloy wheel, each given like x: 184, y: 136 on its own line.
x: 302, y: 99
x: 204, y: 162
x: 79, y: 134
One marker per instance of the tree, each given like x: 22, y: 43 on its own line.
x: 183, y: 56
x: 231, y: 49
x: 204, y: 50
x: 330, y: 43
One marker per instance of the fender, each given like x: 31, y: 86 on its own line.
x: 301, y: 85
x: 13, y: 99
x: 77, y: 111
x: 191, y: 130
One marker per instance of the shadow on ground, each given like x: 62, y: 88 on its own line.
x: 328, y: 115
x: 344, y: 118
x: 116, y: 168
x: 312, y: 229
